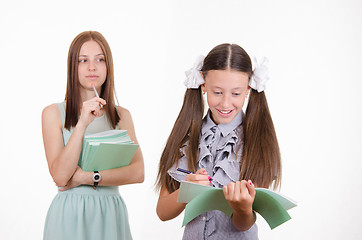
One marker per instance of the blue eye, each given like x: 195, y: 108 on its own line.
x: 100, y: 60
x: 236, y: 94
x: 217, y: 93
x: 82, y: 60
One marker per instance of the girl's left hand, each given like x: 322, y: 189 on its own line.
x: 75, y: 180
x: 240, y: 196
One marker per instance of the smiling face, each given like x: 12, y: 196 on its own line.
x: 226, y: 92
x: 92, y: 65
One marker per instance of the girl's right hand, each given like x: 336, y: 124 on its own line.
x: 90, y: 110
x: 199, y: 177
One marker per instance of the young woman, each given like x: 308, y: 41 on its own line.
x: 88, y: 204
x: 239, y: 151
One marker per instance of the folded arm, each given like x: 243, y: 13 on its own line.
x: 133, y: 173
x: 62, y: 160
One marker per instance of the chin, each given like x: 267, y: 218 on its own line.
x: 224, y: 120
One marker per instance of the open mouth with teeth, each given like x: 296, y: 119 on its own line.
x: 225, y: 112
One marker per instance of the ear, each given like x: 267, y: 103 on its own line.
x: 247, y: 91
x: 203, y: 88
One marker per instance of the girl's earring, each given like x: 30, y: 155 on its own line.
x: 203, y: 93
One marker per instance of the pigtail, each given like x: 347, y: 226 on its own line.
x: 261, y: 161
x: 186, y: 128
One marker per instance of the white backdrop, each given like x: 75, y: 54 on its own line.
x: 315, y: 52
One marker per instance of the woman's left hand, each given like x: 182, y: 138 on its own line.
x: 240, y: 196
x: 75, y: 180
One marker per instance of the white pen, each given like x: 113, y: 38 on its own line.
x: 95, y: 91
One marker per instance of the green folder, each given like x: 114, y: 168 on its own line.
x: 107, y: 150
x: 272, y: 206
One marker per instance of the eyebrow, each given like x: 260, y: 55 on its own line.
x: 238, y: 88
x: 100, y: 54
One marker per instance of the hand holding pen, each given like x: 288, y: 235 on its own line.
x: 91, y: 109
x: 199, y: 177
x: 96, y: 93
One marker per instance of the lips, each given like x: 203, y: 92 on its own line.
x: 92, y: 76
x: 225, y: 113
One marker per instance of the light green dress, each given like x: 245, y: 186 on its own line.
x: 83, y: 213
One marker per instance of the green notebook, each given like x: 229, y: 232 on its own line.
x: 107, y: 150
x: 272, y: 206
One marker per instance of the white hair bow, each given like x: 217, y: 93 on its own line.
x: 260, y: 74
x: 193, y: 76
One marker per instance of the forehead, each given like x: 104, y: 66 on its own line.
x: 90, y: 47
x: 226, y: 79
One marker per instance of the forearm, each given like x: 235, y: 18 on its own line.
x: 167, y: 205
x: 133, y: 173
x: 63, y: 167
x: 243, y: 221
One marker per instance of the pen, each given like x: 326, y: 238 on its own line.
x: 95, y: 91
x: 188, y: 172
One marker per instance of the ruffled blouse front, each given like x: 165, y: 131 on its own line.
x: 220, y: 150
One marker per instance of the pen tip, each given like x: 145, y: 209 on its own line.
x: 92, y: 84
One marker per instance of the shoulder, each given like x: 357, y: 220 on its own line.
x: 51, y: 109
x: 123, y: 112
x: 51, y: 113
x: 126, y: 122
x: 125, y: 117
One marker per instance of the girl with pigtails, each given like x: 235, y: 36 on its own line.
x: 238, y: 151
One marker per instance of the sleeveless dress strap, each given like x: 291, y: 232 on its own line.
x: 61, y: 107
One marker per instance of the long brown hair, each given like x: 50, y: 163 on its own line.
x: 261, y: 161
x: 72, y: 96
x: 186, y: 127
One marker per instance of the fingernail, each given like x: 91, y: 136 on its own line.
x: 251, y: 182
x: 209, y: 178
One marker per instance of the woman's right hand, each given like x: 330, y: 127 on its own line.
x: 199, y: 177
x: 90, y: 110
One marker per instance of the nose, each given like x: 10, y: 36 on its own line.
x: 91, y: 66
x: 226, y: 101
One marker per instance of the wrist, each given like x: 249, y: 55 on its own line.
x: 243, y: 221
x: 244, y: 213
x: 81, y: 126
x: 96, y: 178
x: 87, y: 178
